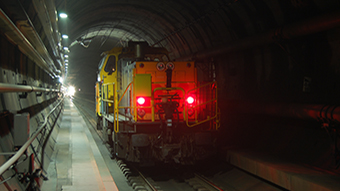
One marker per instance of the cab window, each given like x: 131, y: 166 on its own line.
x: 110, y: 65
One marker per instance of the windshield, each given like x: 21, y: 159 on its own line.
x: 110, y: 64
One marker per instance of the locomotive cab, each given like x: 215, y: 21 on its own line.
x: 106, y: 75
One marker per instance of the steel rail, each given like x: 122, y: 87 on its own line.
x: 21, y: 151
x: 207, y: 184
x: 146, y: 181
x: 23, y: 88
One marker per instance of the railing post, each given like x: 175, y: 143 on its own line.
x: 24, y: 147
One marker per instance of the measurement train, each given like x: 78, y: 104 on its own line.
x: 151, y: 109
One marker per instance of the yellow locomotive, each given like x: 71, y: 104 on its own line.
x: 153, y: 110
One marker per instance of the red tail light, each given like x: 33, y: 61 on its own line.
x: 190, y: 100
x: 140, y: 100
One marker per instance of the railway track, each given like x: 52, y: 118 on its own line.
x: 187, y: 178
x: 208, y: 176
x: 201, y: 183
x: 136, y: 179
x: 143, y: 181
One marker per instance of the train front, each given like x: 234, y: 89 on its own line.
x: 174, y: 117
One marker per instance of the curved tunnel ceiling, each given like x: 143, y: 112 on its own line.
x: 182, y: 27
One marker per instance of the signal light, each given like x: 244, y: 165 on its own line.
x: 190, y: 100
x: 141, y: 100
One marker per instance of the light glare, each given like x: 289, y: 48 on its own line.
x: 63, y: 15
x: 71, y: 91
x: 190, y: 100
x: 141, y: 100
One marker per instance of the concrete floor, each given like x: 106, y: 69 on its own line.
x: 78, y: 163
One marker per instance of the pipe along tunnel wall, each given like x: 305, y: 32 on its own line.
x: 17, y: 69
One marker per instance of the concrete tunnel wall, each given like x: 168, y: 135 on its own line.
x: 17, y: 68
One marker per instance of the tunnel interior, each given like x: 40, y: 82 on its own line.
x: 277, y: 63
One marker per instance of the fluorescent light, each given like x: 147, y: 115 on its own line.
x: 64, y: 36
x: 63, y: 15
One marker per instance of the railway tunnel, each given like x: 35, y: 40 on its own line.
x: 276, y: 64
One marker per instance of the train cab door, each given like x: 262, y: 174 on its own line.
x: 108, y: 76
x: 109, y: 95
x: 99, y: 110
x: 98, y: 98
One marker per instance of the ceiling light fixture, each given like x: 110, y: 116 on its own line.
x: 63, y: 15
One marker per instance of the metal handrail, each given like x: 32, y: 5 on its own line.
x: 116, y: 113
x: 209, y: 118
x: 130, y: 84
x: 21, y: 151
x: 185, y: 113
x: 23, y: 88
x: 47, y: 138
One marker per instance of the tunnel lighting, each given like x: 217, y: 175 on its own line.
x: 71, y: 91
x: 64, y: 36
x: 66, y: 60
x: 66, y: 64
x: 66, y: 56
x: 63, y: 15
x: 141, y: 101
x: 65, y: 48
